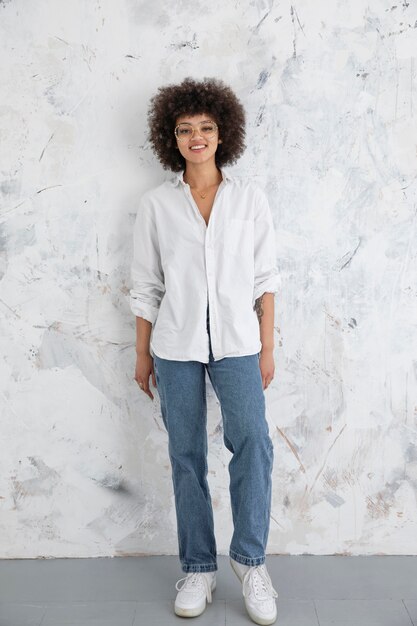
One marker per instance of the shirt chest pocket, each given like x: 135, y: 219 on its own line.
x: 238, y: 237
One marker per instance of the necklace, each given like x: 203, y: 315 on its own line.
x: 202, y: 195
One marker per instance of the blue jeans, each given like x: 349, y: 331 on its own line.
x: 237, y: 382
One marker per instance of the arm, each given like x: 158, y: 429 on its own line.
x: 267, y: 279
x: 143, y: 336
x: 147, y: 277
x: 264, y: 307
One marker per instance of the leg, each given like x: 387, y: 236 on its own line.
x: 182, y: 390
x: 237, y: 382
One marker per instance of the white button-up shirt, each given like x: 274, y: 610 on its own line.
x: 180, y: 266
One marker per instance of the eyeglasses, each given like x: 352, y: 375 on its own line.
x: 185, y: 131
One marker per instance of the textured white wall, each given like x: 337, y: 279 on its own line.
x: 329, y: 90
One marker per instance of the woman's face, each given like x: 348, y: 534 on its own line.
x: 200, y: 137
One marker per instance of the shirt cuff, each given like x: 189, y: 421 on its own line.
x: 141, y: 309
x: 269, y: 285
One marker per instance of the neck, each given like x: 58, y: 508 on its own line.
x: 202, y: 175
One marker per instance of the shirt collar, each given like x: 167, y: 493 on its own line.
x: 178, y: 177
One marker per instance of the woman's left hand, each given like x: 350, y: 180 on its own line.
x: 267, y: 366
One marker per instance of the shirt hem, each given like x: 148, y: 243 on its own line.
x: 233, y: 354
x: 202, y: 359
x: 161, y: 355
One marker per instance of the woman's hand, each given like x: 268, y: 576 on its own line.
x: 144, y: 367
x: 267, y: 366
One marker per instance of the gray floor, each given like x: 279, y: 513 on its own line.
x: 136, y: 591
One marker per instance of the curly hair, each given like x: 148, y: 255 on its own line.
x: 191, y: 97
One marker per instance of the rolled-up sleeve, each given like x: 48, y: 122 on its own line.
x: 146, y: 271
x: 267, y: 277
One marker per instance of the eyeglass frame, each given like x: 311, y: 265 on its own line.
x: 194, y: 128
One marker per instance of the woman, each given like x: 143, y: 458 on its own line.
x: 204, y: 278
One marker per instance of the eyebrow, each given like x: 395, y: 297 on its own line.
x: 197, y: 122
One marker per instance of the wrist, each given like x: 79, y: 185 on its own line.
x: 141, y: 352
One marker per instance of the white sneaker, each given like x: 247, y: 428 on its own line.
x: 258, y: 592
x: 195, y: 592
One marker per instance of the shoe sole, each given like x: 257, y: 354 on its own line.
x: 254, y: 618
x: 195, y: 612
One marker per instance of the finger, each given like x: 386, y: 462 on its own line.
x: 146, y: 389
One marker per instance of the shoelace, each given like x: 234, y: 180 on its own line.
x: 193, y: 581
x: 258, y: 579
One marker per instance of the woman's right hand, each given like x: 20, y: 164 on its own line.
x: 144, y: 367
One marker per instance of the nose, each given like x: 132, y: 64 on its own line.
x: 197, y: 131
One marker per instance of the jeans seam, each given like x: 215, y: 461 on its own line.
x: 246, y: 560
x: 249, y: 558
x: 199, y: 567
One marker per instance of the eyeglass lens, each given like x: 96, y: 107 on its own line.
x: 185, y: 130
